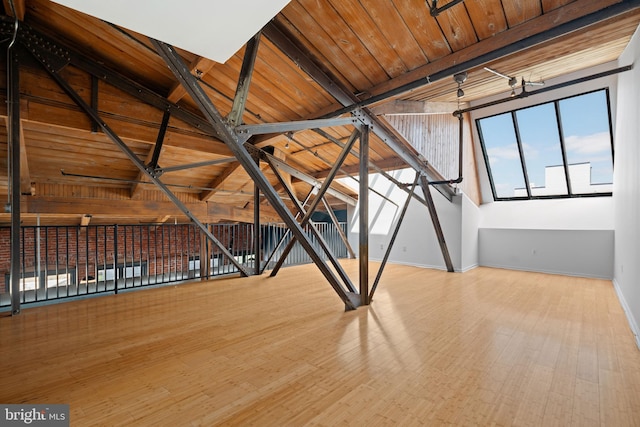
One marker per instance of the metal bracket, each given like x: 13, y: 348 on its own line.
x: 51, y: 55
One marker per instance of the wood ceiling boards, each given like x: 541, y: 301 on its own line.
x: 374, y: 50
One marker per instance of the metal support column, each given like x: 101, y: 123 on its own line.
x: 436, y: 223
x: 256, y: 228
x: 13, y: 133
x: 228, y: 135
x: 393, y: 237
x: 363, y: 199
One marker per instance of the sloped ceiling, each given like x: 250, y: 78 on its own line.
x: 392, y: 55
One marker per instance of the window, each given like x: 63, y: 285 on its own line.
x: 557, y: 149
x: 50, y: 278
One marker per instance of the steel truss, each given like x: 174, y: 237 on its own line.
x: 234, y: 134
x: 93, y: 114
x: 312, y: 207
x: 375, y: 125
x: 236, y: 143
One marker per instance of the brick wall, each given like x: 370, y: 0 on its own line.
x: 163, y: 248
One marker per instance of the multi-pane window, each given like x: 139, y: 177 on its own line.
x: 562, y: 148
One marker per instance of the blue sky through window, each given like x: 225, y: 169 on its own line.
x: 585, y: 128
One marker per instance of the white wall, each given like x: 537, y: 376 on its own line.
x: 416, y: 243
x: 469, y: 234
x: 587, y: 213
x: 565, y: 236
x: 584, y: 253
x: 626, y: 190
x: 561, y: 236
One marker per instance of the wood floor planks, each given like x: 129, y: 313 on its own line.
x: 486, y: 347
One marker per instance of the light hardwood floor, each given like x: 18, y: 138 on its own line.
x: 487, y: 347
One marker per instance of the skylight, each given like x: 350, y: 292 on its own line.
x: 214, y: 29
x: 557, y: 149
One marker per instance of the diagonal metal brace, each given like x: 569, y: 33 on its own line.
x: 393, y: 237
x: 319, y: 196
x: 323, y: 244
x: 234, y: 142
x: 424, y: 183
x: 141, y: 166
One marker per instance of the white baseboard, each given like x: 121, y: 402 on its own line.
x: 633, y: 324
x: 467, y: 268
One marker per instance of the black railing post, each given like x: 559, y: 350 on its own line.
x: 115, y: 259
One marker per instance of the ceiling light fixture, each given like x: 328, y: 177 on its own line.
x: 512, y: 80
x: 460, y: 78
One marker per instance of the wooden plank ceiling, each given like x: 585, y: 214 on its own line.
x: 369, y: 48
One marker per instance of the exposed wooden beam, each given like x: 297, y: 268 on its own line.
x: 162, y: 219
x: 416, y: 107
x: 144, y: 209
x: 199, y: 67
x: 513, y: 37
x: 303, y: 58
x: 219, y: 180
x: 85, y: 220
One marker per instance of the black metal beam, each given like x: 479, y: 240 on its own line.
x: 244, y: 81
x: 256, y: 227
x: 157, y: 149
x: 306, y: 178
x: 233, y: 141
x: 363, y: 199
x: 13, y: 137
x: 92, y: 114
x: 58, y: 56
x: 584, y: 21
x: 544, y: 89
x: 434, y: 10
x: 424, y: 183
x: 351, y: 102
x: 302, y: 59
x: 95, y: 89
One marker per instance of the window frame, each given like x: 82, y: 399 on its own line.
x: 565, y: 164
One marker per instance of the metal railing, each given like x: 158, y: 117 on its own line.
x: 59, y: 262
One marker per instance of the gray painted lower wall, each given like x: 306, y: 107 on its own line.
x: 584, y: 253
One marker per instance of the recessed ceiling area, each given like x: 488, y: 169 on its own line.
x: 213, y: 29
